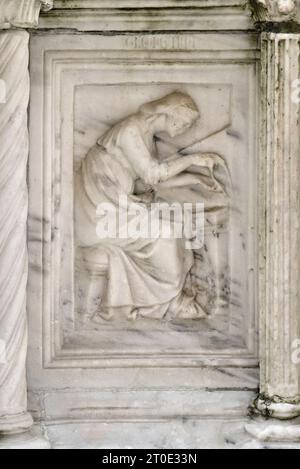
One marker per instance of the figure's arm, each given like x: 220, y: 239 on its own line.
x: 178, y: 165
x: 204, y: 160
x: 151, y: 171
x: 147, y: 168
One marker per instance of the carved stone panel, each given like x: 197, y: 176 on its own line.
x: 89, y: 90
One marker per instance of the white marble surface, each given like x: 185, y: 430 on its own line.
x: 275, y: 432
x: 216, y: 374
x: 279, y: 215
x: 151, y: 15
x: 149, y: 271
x: 35, y: 438
x: 208, y: 433
x: 89, y: 83
x: 22, y: 13
x: 89, y: 104
x: 13, y: 218
x: 167, y: 434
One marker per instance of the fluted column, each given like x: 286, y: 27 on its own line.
x: 14, y: 83
x: 280, y: 261
x: 279, y: 298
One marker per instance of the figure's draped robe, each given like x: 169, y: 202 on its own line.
x: 144, y: 275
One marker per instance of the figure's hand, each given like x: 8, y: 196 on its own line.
x: 211, y: 161
x: 147, y: 197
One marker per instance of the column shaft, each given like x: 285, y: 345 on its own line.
x: 280, y: 227
x: 13, y: 219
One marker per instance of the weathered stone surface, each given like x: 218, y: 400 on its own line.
x: 280, y: 274
x: 90, y: 104
x: 14, y: 58
x: 152, y: 15
x: 13, y: 254
x: 31, y: 439
x: 199, y: 373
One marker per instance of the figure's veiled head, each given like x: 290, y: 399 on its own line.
x: 179, y: 110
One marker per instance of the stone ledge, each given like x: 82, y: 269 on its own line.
x: 137, y: 4
x: 151, y: 15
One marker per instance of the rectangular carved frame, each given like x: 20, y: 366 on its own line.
x: 64, y: 63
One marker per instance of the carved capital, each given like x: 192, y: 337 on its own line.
x: 22, y: 13
x: 46, y: 5
x: 276, y: 11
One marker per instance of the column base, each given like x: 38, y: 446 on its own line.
x: 32, y: 439
x: 16, y: 423
x: 275, y: 432
x: 272, y: 408
x: 274, y: 424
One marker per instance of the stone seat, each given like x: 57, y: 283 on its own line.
x: 91, y: 269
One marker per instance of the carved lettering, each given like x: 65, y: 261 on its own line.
x: 162, y: 42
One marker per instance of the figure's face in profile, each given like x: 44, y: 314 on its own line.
x: 179, y: 122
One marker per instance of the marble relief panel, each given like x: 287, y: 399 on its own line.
x: 155, y: 131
